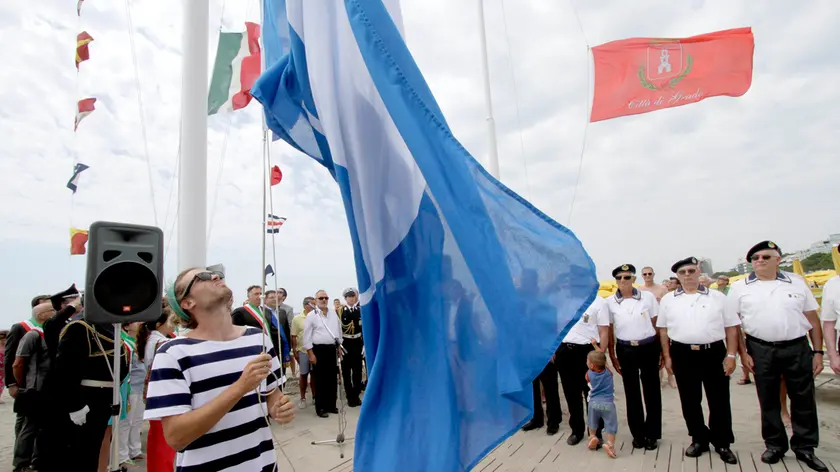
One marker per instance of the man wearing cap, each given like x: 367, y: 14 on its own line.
x: 636, y: 355
x: 778, y: 312
x: 693, y: 325
x: 351, y: 363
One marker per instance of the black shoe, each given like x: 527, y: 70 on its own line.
x: 772, y: 456
x: 574, y: 439
x: 811, y: 460
x: 352, y: 403
x: 652, y: 444
x: 323, y: 414
x: 726, y: 455
x: 532, y: 425
x: 696, y: 449
x: 639, y: 443
x: 333, y: 411
x: 552, y: 429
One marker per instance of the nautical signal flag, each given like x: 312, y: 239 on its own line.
x: 79, y: 7
x: 269, y: 270
x: 78, y: 239
x: 74, y: 180
x: 84, y: 108
x: 236, y: 69
x: 274, y: 223
x: 640, y: 75
x: 276, y: 175
x: 82, y: 52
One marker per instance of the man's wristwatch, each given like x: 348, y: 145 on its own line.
x: 731, y: 356
x: 820, y: 352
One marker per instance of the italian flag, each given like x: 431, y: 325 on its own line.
x: 236, y: 69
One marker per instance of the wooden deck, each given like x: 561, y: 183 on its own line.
x: 537, y: 452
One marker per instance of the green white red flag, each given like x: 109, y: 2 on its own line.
x: 640, y: 75
x: 236, y: 69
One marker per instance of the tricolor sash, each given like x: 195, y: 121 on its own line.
x: 30, y: 325
x: 257, y: 314
x: 130, y: 344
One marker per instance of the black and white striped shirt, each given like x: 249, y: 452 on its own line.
x: 189, y: 373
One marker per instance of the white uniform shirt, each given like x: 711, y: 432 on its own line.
x: 695, y: 318
x: 586, y: 327
x: 632, y: 316
x: 772, y: 310
x: 320, y: 329
x: 831, y: 300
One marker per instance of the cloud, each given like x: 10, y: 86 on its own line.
x: 708, y: 179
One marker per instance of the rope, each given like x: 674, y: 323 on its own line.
x: 516, y: 101
x: 140, y: 107
x: 586, y: 117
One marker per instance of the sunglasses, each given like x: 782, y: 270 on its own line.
x: 763, y: 257
x: 645, y: 274
x: 203, y: 276
x: 323, y: 298
x: 687, y: 271
x: 624, y: 277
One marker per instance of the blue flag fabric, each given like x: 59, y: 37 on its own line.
x: 466, y: 289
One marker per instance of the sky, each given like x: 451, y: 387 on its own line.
x: 708, y: 179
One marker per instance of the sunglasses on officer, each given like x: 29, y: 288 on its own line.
x: 689, y: 271
x: 763, y: 257
x: 623, y: 277
x: 203, y: 276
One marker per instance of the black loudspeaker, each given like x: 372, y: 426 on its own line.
x: 124, y: 273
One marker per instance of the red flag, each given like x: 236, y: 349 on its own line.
x: 641, y: 75
x: 84, y: 108
x: 276, y: 175
x: 82, y: 53
x: 78, y: 239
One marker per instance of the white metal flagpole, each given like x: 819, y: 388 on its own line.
x: 493, y: 163
x: 192, y: 178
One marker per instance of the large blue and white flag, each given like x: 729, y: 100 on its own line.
x: 467, y: 290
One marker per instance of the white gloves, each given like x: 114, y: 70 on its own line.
x: 80, y: 417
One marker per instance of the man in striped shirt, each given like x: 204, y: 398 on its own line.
x: 215, y: 388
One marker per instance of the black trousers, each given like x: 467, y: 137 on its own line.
x: 553, y: 414
x: 351, y: 369
x: 325, y: 373
x: 640, y: 370
x: 86, y: 440
x: 696, y: 371
x: 793, y: 362
x: 570, y: 360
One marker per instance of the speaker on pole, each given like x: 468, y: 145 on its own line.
x: 124, y: 273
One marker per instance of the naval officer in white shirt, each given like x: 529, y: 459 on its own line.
x: 778, y: 312
x: 693, y: 325
x: 830, y: 312
x: 570, y: 359
x: 322, y: 337
x: 636, y: 354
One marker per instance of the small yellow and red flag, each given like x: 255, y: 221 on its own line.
x: 78, y: 239
x: 82, y: 52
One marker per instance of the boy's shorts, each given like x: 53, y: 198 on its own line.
x: 303, y: 362
x: 606, y: 412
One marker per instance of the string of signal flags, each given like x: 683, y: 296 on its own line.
x: 84, y: 107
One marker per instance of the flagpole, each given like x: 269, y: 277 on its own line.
x: 265, y: 165
x: 192, y: 178
x: 493, y: 162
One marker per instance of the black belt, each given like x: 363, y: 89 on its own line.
x: 574, y: 345
x: 790, y: 342
x: 641, y: 342
x: 697, y: 347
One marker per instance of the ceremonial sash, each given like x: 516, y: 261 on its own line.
x: 130, y: 344
x: 256, y: 313
x: 30, y: 325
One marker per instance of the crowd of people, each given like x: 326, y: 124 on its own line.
x: 173, y: 373
x: 696, y: 334
x: 208, y: 377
